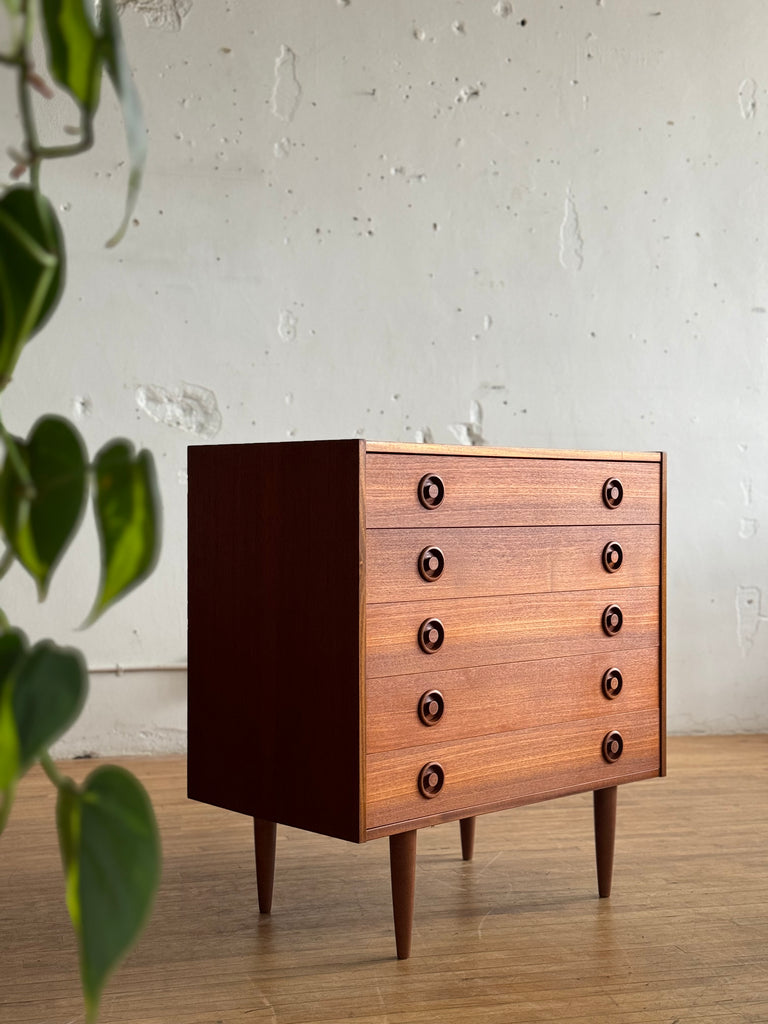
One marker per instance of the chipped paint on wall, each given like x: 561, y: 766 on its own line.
x: 164, y: 14
x: 747, y: 528
x: 503, y: 9
x: 189, y: 407
x: 286, y: 93
x: 748, y: 98
x: 471, y: 432
x: 749, y: 615
x: 287, y: 325
x: 571, y: 241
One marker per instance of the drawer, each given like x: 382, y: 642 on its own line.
x: 520, y: 766
x: 435, y: 562
x: 507, y: 492
x: 413, y: 710
x: 496, y: 630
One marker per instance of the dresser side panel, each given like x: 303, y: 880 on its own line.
x: 663, y: 619
x: 274, y: 662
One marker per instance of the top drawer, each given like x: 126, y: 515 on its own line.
x: 415, y: 490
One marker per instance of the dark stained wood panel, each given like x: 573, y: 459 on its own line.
x: 505, y: 698
x: 496, y: 630
x: 274, y: 643
x: 495, y: 561
x: 511, y: 766
x: 508, y: 492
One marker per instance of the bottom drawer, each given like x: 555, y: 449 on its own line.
x: 484, y: 773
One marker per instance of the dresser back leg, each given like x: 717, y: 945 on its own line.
x: 402, y: 865
x: 265, y: 834
x: 605, y: 834
x: 467, y: 826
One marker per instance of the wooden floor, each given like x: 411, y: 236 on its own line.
x: 516, y: 936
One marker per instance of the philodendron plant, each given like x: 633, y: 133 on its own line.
x: 107, y: 832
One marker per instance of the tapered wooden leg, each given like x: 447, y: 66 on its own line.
x: 467, y: 826
x: 402, y: 866
x: 265, y: 834
x: 605, y: 834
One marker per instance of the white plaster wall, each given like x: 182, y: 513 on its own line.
x: 534, y: 223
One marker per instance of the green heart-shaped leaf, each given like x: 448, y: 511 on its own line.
x: 110, y: 847
x: 41, y: 520
x: 49, y: 691
x: 118, y: 69
x: 13, y: 647
x: 32, y: 262
x: 73, y: 44
x: 127, y: 509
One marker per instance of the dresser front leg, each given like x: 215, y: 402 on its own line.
x: 605, y: 834
x: 467, y: 826
x: 402, y: 866
x: 265, y: 835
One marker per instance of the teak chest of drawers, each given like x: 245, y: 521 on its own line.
x: 384, y: 637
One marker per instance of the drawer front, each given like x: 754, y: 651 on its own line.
x: 437, y: 563
x: 497, y: 630
x: 530, y: 764
x: 413, y: 710
x: 507, y: 492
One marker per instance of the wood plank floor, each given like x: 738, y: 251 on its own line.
x: 516, y: 936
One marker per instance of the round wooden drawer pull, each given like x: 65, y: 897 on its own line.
x: 613, y: 556
x: 431, y: 490
x: 613, y: 492
x: 612, y: 683
x: 431, y: 779
x: 431, y: 635
x: 613, y: 619
x: 613, y: 745
x: 431, y: 564
x: 431, y: 707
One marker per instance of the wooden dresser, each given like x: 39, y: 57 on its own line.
x: 389, y: 636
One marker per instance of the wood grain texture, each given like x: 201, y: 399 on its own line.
x: 517, y: 936
x: 470, y: 451
x: 502, y: 698
x: 507, y: 492
x: 511, y: 766
x: 274, y: 605
x: 494, y: 561
x: 499, y: 630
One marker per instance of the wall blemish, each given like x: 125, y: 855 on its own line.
x: 503, y: 9
x: 749, y: 615
x: 571, y: 241
x: 189, y: 407
x: 286, y: 93
x: 470, y: 433
x: 287, y: 325
x: 748, y: 98
x: 748, y: 528
x: 164, y: 14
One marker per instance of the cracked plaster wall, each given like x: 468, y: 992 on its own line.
x: 524, y: 223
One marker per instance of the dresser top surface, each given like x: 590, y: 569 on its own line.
x: 464, y: 451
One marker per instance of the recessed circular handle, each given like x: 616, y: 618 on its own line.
x: 613, y: 746
x: 613, y: 619
x: 431, y: 779
x: 431, y: 707
x: 612, y: 683
x: 613, y: 492
x: 431, y: 564
x: 613, y: 556
x: 431, y: 635
x: 431, y: 490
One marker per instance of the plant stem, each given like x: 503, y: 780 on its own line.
x: 53, y: 773
x: 15, y: 456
